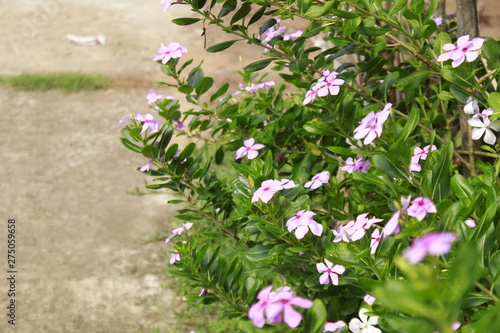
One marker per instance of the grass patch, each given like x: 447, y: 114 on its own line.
x: 69, y: 82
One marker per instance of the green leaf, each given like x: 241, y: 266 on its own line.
x: 133, y: 147
x: 397, y: 7
x: 370, y: 179
x: 342, y: 151
x: 344, y: 14
x: 315, y: 11
x: 269, y: 23
x: 441, y: 174
x: 494, y: 265
x: 441, y: 39
x: 393, y: 170
x: 491, y: 50
x: 411, y: 124
x: 241, y: 13
x: 195, y: 76
x: 221, y: 46
x: 227, y: 7
x: 150, y: 151
x: 165, y: 139
x: 458, y: 76
x: 258, y: 65
x: 203, y: 85
x: 259, y: 252
x: 186, y: 20
x: 462, y: 189
x: 187, y: 151
x: 319, y: 127
x: 413, y: 81
x: 171, y: 151
x: 315, y: 318
x: 389, y: 81
x: 222, y: 90
x: 494, y: 102
x: 257, y: 15
x: 369, y: 31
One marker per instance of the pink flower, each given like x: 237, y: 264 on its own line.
x: 146, y: 166
x: 392, y: 226
x: 434, y: 244
x: 376, y: 237
x: 178, y: 231
x: 287, y: 183
x: 354, y: 230
x: 266, y: 191
x: 318, y: 180
x: 249, y: 149
x: 302, y: 222
x: 149, y: 123
x: 173, y: 50
x: 358, y: 165
x: 438, y: 20
x: 334, y: 327
x: 329, y: 84
x: 369, y: 299
x: 292, y: 35
x: 179, y: 125
x: 253, y: 88
x: 152, y: 97
x: 465, y: 49
x: 422, y: 153
x: 329, y: 272
x: 311, y: 95
x: 371, y: 125
x: 166, y: 4
x: 420, y: 207
x: 276, y: 307
x: 174, y: 257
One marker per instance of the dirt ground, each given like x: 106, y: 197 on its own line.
x: 82, y: 264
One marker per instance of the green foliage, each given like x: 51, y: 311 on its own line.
x: 240, y: 243
x: 69, y: 82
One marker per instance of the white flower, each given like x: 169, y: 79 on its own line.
x: 483, y: 126
x: 472, y: 106
x: 365, y: 325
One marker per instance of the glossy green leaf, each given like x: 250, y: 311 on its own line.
x: 221, y: 91
x: 258, y: 65
x: 186, y: 20
x: 133, y: 147
x: 411, y: 124
x: 397, y: 6
x: 413, y: 81
x: 315, y: 318
x: 241, y: 13
x: 221, y: 46
x: 462, y: 189
x: 203, y: 85
x: 441, y: 174
x: 150, y: 151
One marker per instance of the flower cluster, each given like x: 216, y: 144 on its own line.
x: 420, y: 154
x: 328, y: 84
x: 371, y: 125
x: 269, y: 187
x: 418, y: 208
x: 464, y: 49
x: 149, y: 123
x: 302, y: 222
x: 358, y: 165
x: 276, y: 31
x: 481, y: 123
x: 178, y: 231
x: 253, y: 88
x: 173, y: 50
x: 276, y: 307
x: 355, y: 230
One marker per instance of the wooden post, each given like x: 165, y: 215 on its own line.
x: 467, y: 24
